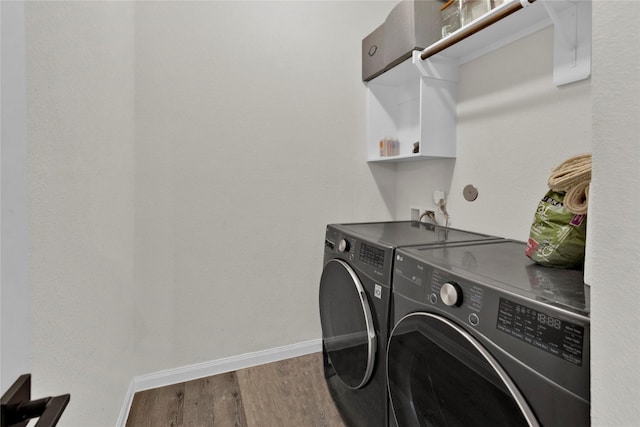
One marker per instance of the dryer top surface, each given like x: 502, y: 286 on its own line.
x: 408, y: 233
x: 503, y: 265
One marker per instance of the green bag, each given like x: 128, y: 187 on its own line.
x: 557, y: 237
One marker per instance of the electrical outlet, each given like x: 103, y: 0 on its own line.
x: 417, y: 211
x: 439, y: 195
x: 415, y: 214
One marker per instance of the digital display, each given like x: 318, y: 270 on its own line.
x: 555, y: 336
x: 552, y: 322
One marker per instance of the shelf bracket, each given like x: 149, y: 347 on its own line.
x: 438, y: 68
x: 571, y: 39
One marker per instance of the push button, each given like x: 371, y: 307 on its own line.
x: 474, y: 319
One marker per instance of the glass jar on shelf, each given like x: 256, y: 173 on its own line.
x: 451, y: 20
x: 473, y: 9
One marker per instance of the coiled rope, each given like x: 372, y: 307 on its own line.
x: 573, y: 177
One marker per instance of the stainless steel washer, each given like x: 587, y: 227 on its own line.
x: 483, y: 336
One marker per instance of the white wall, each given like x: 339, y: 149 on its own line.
x: 81, y: 172
x: 250, y: 122
x: 15, y: 352
x: 193, y: 243
x: 613, y: 229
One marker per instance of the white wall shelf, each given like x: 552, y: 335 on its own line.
x: 413, y: 104
x: 416, y: 100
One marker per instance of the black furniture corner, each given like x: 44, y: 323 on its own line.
x: 17, y: 408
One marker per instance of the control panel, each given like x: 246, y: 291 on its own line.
x: 373, y: 260
x: 439, y: 289
x: 485, y: 308
x: 541, y: 330
x: 371, y: 255
x: 454, y: 292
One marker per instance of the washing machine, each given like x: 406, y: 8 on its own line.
x: 483, y: 336
x: 355, y: 294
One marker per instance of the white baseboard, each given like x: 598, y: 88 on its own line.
x: 214, y: 367
x: 126, y: 406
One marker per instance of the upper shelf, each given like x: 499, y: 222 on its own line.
x: 415, y: 101
x: 516, y: 19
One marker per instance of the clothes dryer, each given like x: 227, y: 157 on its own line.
x: 355, y: 294
x: 483, y: 336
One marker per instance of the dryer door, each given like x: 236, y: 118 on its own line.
x: 348, y: 332
x: 439, y: 375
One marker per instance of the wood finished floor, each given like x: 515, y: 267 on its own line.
x: 291, y: 392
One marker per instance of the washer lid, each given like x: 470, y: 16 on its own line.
x: 348, y: 332
x: 409, y: 233
x: 504, y: 265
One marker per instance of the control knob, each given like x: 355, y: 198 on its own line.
x: 451, y: 294
x: 343, y: 245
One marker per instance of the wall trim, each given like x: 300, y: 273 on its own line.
x: 126, y: 406
x: 213, y: 367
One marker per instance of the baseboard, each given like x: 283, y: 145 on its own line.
x: 214, y: 367
x: 126, y: 406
